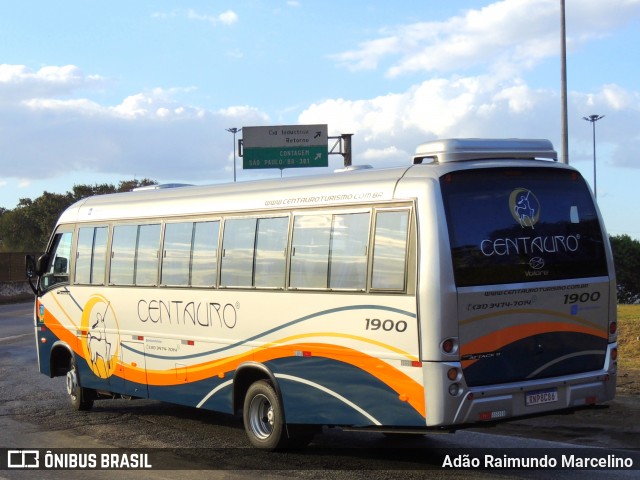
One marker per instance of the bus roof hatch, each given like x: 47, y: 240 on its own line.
x: 460, y: 149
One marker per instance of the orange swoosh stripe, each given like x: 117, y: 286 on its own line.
x: 61, y: 332
x: 533, y: 311
x: 394, y: 378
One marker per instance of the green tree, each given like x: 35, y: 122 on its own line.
x: 16, y: 232
x: 626, y: 256
x: 83, y: 191
x: 27, y: 227
x: 128, y: 185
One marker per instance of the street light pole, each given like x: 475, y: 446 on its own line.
x: 563, y: 86
x: 593, y: 119
x: 234, y: 130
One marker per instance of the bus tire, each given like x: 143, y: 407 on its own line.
x: 80, y: 397
x: 263, y: 417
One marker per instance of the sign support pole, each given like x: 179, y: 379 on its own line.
x: 344, y: 144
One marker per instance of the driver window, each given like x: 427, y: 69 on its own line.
x: 59, y: 262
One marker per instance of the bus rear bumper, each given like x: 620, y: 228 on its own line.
x: 493, y: 404
x: 533, y: 397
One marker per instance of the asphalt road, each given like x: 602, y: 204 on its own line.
x: 34, y: 414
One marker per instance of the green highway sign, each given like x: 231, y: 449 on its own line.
x: 285, y: 146
x: 283, y: 157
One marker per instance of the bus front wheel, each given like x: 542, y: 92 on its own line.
x: 264, y: 417
x: 80, y: 397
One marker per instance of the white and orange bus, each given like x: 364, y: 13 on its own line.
x: 474, y: 284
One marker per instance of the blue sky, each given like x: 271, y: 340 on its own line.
x: 109, y: 91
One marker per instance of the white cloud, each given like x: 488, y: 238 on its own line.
x: 235, y: 53
x: 60, y: 106
x: 511, y: 34
x: 155, y: 103
x: 164, y: 15
x: 228, y: 17
x: 18, y: 82
x: 617, y: 98
x: 45, y: 120
x: 385, y: 127
x: 379, y: 155
x: 618, y: 130
x: 460, y: 106
x: 240, y: 111
x: 148, y: 133
x: 490, y: 50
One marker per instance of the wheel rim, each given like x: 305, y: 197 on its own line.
x: 261, y: 418
x: 72, y: 384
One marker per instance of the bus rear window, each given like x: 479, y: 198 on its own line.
x: 521, y: 225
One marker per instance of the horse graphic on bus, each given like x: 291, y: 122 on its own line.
x: 98, y: 344
x: 102, y: 336
x: 525, y: 207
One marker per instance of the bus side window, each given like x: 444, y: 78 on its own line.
x: 237, y: 252
x: 348, y: 258
x: 99, y: 262
x: 271, y: 247
x: 123, y: 248
x: 178, y: 239
x: 58, y: 268
x: 390, y: 250
x: 204, y: 256
x: 148, y: 254
x: 91, y: 255
x: 135, y: 254
x: 310, y: 251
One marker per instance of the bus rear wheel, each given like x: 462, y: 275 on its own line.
x: 264, y: 417
x: 81, y: 398
x: 264, y: 421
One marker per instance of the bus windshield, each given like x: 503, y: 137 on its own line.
x: 512, y: 225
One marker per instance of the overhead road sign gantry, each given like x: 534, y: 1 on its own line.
x: 285, y: 146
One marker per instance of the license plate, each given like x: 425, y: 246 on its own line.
x: 539, y: 397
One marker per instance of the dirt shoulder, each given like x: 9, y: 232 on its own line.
x: 628, y: 383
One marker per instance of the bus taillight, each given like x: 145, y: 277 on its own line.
x: 449, y: 346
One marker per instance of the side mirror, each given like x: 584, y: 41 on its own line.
x: 32, y: 271
x: 30, y: 265
x: 42, y: 263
